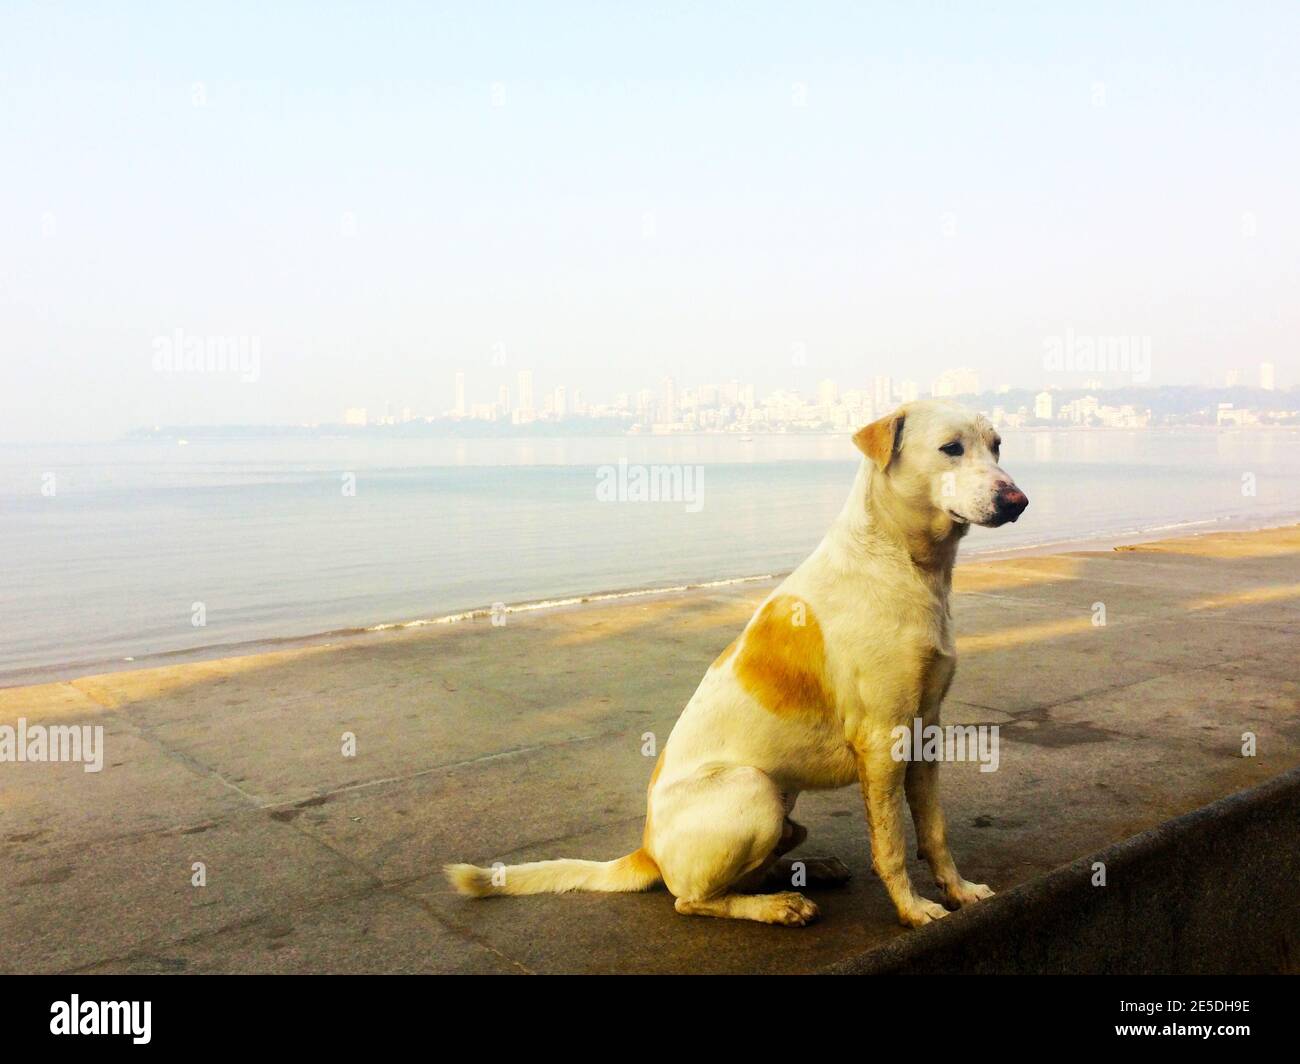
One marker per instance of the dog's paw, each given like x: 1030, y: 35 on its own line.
x: 921, y: 912
x: 964, y: 892
x: 791, y: 909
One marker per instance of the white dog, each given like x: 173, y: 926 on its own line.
x: 854, y: 643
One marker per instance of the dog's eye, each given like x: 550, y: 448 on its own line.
x: 954, y: 449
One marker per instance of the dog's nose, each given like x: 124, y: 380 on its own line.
x: 1010, y: 502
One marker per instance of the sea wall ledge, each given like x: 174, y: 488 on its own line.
x: 1211, y: 892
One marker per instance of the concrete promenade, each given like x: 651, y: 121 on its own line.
x: 523, y: 742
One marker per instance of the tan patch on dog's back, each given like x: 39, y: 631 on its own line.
x: 782, y: 659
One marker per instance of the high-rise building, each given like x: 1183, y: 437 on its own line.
x: 503, y: 399
x: 354, y: 415
x: 1081, y: 411
x: 460, y: 410
x: 858, y: 405
x: 1043, y: 406
x: 668, y: 401
x: 828, y: 394
x: 1266, y: 380
x: 883, y: 394
x: 908, y: 392
x: 525, y: 390
x: 560, y: 404
x: 1231, y: 378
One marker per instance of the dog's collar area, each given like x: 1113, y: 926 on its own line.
x: 958, y: 517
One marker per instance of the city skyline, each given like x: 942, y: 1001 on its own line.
x: 737, y: 405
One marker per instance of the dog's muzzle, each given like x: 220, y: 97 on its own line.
x: 1008, y: 504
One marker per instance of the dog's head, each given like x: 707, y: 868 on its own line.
x: 939, y: 462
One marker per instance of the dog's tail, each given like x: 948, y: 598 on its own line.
x: 636, y: 871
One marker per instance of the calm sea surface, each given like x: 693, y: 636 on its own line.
x: 264, y: 535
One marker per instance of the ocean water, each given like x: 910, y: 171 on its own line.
x: 113, y: 561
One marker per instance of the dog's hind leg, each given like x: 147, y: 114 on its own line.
x: 714, y: 830
x: 789, y: 907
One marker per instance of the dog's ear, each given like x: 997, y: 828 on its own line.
x: 879, y: 441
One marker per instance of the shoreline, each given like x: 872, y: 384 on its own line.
x: 67, y: 671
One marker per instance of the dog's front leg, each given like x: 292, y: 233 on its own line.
x: 932, y: 835
x: 882, y: 779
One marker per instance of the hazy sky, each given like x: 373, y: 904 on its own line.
x: 381, y: 194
